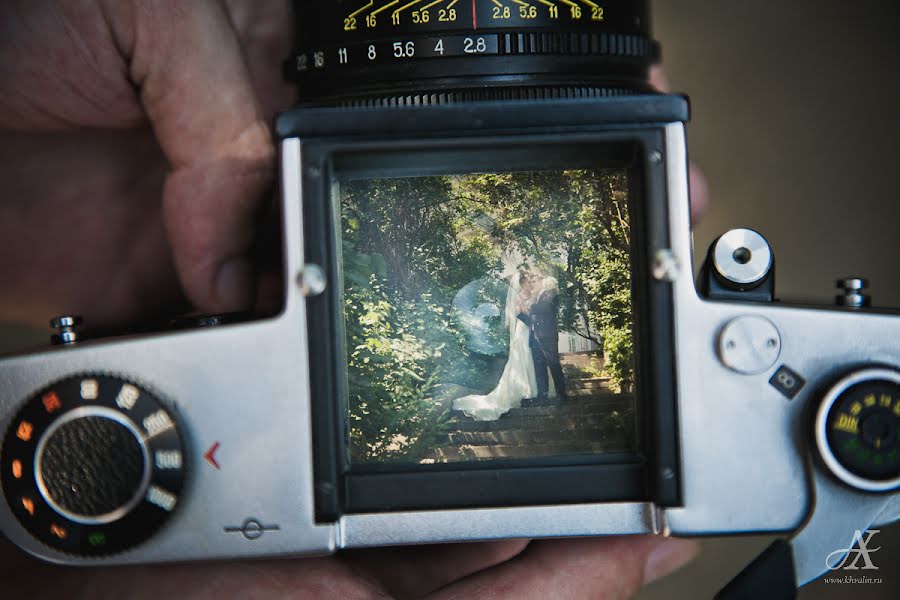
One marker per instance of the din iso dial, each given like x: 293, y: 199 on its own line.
x: 92, y: 465
x: 857, y: 430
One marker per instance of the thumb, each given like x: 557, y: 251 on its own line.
x: 196, y: 89
x: 612, y: 568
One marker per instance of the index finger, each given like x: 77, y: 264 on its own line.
x: 196, y: 89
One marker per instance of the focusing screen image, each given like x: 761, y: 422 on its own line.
x: 487, y: 316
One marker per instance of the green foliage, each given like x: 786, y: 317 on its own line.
x: 402, y: 250
x: 409, y: 245
x: 618, y: 428
x: 393, y: 367
x: 422, y: 235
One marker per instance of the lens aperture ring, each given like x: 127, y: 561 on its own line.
x: 337, y: 59
x: 522, y: 43
x: 382, y: 48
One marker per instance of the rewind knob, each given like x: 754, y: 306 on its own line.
x: 92, y: 465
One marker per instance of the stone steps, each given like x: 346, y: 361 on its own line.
x: 531, y: 422
x: 583, y: 425
x: 527, y: 437
x: 583, y: 405
x: 593, y: 383
x: 462, y: 453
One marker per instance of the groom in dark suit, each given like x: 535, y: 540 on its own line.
x: 543, y: 339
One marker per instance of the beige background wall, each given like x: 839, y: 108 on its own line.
x: 796, y: 122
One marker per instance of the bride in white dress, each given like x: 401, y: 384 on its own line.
x: 517, y: 381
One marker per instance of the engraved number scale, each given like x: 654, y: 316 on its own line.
x: 385, y: 31
x: 92, y: 465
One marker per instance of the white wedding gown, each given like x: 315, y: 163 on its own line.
x: 516, y: 382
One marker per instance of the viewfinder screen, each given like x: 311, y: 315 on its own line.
x: 487, y: 316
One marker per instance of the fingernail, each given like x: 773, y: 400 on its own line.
x: 234, y: 284
x: 668, y: 557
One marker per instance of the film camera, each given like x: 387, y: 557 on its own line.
x: 490, y: 329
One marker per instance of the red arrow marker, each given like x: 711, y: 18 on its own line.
x: 210, y: 455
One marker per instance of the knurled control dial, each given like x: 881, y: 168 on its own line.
x: 857, y: 430
x: 92, y: 465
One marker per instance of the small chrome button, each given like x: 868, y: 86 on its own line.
x: 749, y: 345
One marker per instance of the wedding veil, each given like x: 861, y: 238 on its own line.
x: 510, y: 309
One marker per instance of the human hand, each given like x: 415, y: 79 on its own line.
x: 599, y: 568
x: 134, y: 153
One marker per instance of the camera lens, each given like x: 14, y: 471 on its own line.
x: 410, y: 52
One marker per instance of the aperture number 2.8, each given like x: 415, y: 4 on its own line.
x: 474, y: 45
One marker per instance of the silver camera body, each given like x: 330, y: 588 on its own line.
x: 754, y: 383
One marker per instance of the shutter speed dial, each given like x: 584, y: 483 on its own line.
x: 92, y: 465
